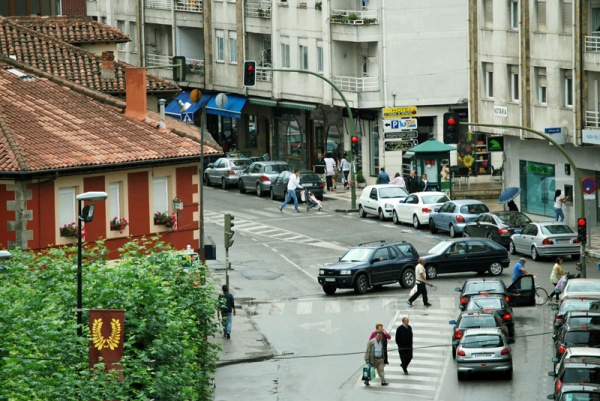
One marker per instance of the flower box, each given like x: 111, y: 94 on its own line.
x: 69, y: 230
x: 165, y: 219
x: 118, y: 224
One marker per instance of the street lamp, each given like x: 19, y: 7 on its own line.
x: 86, y: 215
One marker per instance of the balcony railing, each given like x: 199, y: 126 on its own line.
x: 354, y: 84
x: 266, y: 76
x: 353, y: 17
x: 592, y: 119
x: 259, y: 9
x: 194, y: 66
x: 194, y: 6
x: 592, y: 43
x: 154, y: 60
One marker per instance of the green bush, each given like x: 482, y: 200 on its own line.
x: 169, y: 314
x: 360, y: 178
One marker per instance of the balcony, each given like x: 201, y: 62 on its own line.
x: 354, y: 84
x: 592, y: 119
x: 195, y: 67
x: 356, y: 26
x: 592, y: 43
x: 259, y: 10
x: 265, y: 76
x: 353, y: 17
x: 194, y: 6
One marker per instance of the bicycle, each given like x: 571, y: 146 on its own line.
x: 541, y: 296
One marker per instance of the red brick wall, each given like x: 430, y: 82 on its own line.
x: 74, y: 7
x: 96, y: 228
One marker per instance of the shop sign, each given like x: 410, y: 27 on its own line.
x: 495, y: 144
x: 591, y: 136
x: 390, y: 113
x: 401, y: 135
x: 541, y: 169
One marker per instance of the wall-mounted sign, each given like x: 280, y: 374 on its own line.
x: 557, y: 134
x: 401, y: 124
x: 392, y: 146
x: 591, y: 136
x: 501, y: 111
x: 401, y: 135
x: 495, y: 144
x: 390, y: 113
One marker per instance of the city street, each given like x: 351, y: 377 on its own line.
x: 319, y: 340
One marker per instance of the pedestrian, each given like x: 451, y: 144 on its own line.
x: 345, y: 168
x: 412, y: 183
x: 293, y: 183
x: 423, y: 183
x: 404, y: 341
x: 383, y: 178
x: 329, y: 170
x: 319, y: 166
x: 421, y: 282
x: 398, y: 180
x: 386, y: 336
x: 558, y: 202
x: 519, y: 270
x: 375, y: 356
x: 512, y: 206
x: 226, y: 311
x: 557, y: 274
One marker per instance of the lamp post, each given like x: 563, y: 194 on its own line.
x: 84, y: 215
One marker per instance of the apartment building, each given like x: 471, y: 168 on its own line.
x: 380, y: 54
x: 536, y: 64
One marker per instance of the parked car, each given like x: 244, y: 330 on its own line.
x: 258, y: 176
x: 415, y: 208
x: 453, y: 215
x: 545, y: 239
x: 576, y: 335
x: 519, y: 293
x: 496, y: 303
x: 308, y: 180
x: 576, y: 370
x: 574, y: 354
x: 484, y: 350
x: 466, y: 255
x: 369, y: 265
x: 225, y: 171
x: 380, y: 200
x: 474, y: 320
x: 497, y: 226
x: 576, y: 392
x: 577, y: 287
x: 588, y: 303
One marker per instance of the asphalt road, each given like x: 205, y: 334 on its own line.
x: 320, y: 339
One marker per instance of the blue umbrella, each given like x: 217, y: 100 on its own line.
x: 508, y: 194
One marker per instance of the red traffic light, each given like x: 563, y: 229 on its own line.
x: 355, y: 139
x: 451, y: 121
x: 250, y: 68
x: 581, y: 222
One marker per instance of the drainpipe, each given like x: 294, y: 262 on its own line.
x: 161, y: 103
x: 384, y: 72
x: 141, y: 23
x: 174, y: 30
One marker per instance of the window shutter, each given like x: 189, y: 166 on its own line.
x: 567, y: 16
x: 488, y: 13
x: 541, y: 15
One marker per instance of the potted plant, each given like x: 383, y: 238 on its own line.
x: 360, y: 179
x: 69, y: 230
x: 118, y: 224
x: 165, y: 219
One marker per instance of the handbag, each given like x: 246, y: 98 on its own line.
x: 372, y: 373
x: 366, y: 373
x: 413, y: 291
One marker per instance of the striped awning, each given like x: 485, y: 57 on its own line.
x: 262, y: 102
x: 298, y: 106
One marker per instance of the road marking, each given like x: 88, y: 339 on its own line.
x: 304, y: 308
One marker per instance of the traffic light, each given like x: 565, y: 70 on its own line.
x: 451, y: 127
x: 179, y: 73
x: 249, y: 73
x: 355, y: 142
x: 228, y: 231
x: 582, y: 230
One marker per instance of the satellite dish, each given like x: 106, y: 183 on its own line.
x: 221, y: 100
x: 183, y: 106
x: 195, y: 96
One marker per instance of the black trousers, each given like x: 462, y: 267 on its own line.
x: 406, y: 355
x: 329, y: 179
x: 421, y: 289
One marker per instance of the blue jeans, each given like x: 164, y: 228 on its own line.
x: 227, y: 322
x: 559, y: 213
x: 291, y: 194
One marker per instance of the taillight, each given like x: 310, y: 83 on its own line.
x: 458, y: 334
x: 558, y: 320
x: 505, y: 351
x: 506, y: 298
x: 561, y: 349
x: 506, y: 316
x: 503, y: 231
x: 464, y: 300
x: 264, y: 178
x: 460, y: 219
x: 547, y: 241
x: 425, y: 210
x: 460, y: 352
x: 321, y: 185
x: 230, y: 172
x: 558, y: 385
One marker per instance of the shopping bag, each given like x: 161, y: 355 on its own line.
x: 372, y: 373
x: 413, y: 291
x: 366, y: 374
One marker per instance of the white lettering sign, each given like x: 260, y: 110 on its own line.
x: 590, y: 136
x: 501, y: 111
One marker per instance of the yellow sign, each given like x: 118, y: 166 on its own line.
x: 399, y: 112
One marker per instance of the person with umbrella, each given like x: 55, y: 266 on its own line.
x: 512, y: 206
x: 508, y: 196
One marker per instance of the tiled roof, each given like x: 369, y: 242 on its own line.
x: 74, y: 30
x: 47, y: 127
x: 67, y: 61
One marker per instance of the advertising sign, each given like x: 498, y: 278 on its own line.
x: 390, y: 113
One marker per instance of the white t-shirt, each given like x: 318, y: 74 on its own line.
x: 294, y: 182
x: 345, y: 165
x: 420, y: 269
x: 557, y: 203
x: 329, y: 166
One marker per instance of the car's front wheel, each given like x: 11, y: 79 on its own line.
x: 466, y: 234
x: 395, y: 218
x: 259, y: 191
x: 206, y: 180
x: 495, y: 269
x: 361, y: 285
x: 432, y: 227
x: 329, y: 289
x: 381, y: 215
x: 361, y: 212
x: 534, y: 253
x: 431, y: 272
x: 512, y: 248
x: 407, y: 279
x: 272, y: 194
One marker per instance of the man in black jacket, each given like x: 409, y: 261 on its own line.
x: 404, y: 341
x: 412, y: 182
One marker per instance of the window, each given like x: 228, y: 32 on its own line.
x: 133, y: 35
x: 514, y: 15
x: 567, y: 16
x: 540, y: 10
x: 568, y: 87
x: 285, y: 55
x: 160, y: 194
x: 514, y: 82
x: 114, y: 200
x: 303, y: 53
x: 66, y: 206
x: 121, y: 27
x: 220, y: 46
x: 542, y: 91
x: 320, y: 60
x: 488, y: 14
x: 488, y: 69
x: 233, y: 44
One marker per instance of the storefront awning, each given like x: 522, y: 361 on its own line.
x: 172, y: 109
x: 233, y: 108
x: 262, y: 102
x: 297, y: 106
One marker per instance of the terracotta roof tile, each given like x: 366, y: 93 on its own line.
x: 67, y: 61
x: 73, y: 30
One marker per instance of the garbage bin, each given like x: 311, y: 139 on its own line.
x: 210, y: 249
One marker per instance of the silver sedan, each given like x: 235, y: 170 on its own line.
x: 483, y: 350
x: 545, y: 239
x: 225, y: 171
x: 258, y: 176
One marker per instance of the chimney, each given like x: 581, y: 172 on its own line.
x: 135, y: 93
x: 108, y: 65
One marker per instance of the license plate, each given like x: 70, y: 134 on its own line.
x: 482, y: 355
x: 330, y: 280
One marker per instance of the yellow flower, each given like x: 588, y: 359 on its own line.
x: 458, y: 160
x: 469, y: 160
x: 469, y: 136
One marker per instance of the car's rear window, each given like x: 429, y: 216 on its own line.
x: 580, y: 396
x: 579, y: 304
x: 309, y: 177
x: 482, y: 341
x: 435, y: 199
x: 241, y: 162
x: 392, y: 192
x: 474, y: 209
x: 513, y: 219
x: 583, y: 286
x: 582, y: 338
x: 276, y: 168
x: 485, y: 303
x: 581, y: 375
x: 483, y: 286
x: 556, y: 229
x: 469, y: 322
x: 584, y: 320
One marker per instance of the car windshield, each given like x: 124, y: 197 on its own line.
x: 357, y: 255
x: 580, y: 374
x: 483, y: 286
x: 476, y: 208
x: 439, y: 248
x: 583, y: 286
x: 427, y: 199
x: 514, y: 219
x: 478, y: 322
x: 483, y: 341
x: 241, y: 162
x: 392, y: 192
x: 556, y: 229
x: 582, y: 338
x: 485, y: 303
x: 276, y: 168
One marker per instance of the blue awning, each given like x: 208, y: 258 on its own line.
x: 233, y: 108
x: 172, y: 109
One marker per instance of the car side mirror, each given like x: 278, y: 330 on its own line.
x: 555, y: 360
x: 554, y: 336
x: 550, y: 396
x: 517, y: 231
x: 375, y: 260
x: 554, y: 307
x: 457, y: 289
x: 452, y: 322
x: 551, y: 374
x: 437, y: 209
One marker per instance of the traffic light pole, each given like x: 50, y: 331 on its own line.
x: 350, y: 120
x: 578, y: 188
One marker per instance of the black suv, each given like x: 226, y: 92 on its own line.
x: 371, y: 264
x: 474, y: 320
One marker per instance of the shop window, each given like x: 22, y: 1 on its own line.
x: 333, y: 141
x: 252, y: 132
x: 538, y: 184
x: 294, y: 140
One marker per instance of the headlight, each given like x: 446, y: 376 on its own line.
x: 321, y: 272
x: 388, y: 206
x: 345, y: 272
